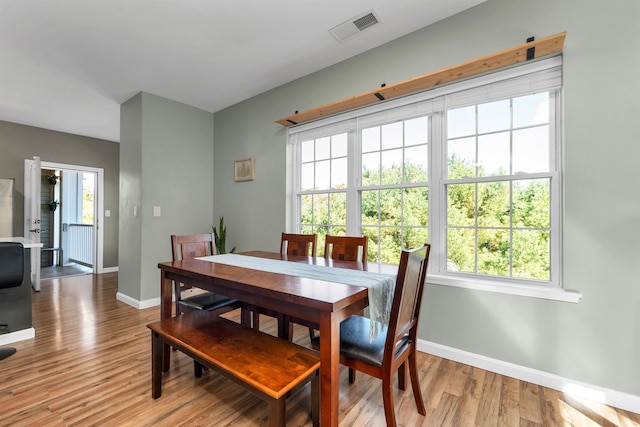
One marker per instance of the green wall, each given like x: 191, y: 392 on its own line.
x: 20, y: 142
x: 596, y: 341
x: 166, y: 153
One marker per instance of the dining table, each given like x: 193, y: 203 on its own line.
x: 324, y: 302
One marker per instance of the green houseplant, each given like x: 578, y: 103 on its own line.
x: 220, y: 237
x: 52, y: 178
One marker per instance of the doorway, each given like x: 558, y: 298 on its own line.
x: 69, y: 206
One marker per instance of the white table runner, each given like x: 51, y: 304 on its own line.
x: 380, y: 286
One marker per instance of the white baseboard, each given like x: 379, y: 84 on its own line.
x: 21, y: 335
x: 628, y: 402
x: 109, y: 270
x: 138, y: 304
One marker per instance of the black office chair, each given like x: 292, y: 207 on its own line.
x: 11, y: 276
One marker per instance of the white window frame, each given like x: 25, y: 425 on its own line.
x: 541, y: 75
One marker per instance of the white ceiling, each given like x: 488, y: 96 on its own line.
x: 67, y: 65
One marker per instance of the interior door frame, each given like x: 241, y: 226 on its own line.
x: 98, y: 205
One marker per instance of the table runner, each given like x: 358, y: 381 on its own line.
x: 380, y: 286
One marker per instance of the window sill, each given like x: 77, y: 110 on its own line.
x: 555, y: 294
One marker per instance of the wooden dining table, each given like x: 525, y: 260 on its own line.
x: 322, y: 302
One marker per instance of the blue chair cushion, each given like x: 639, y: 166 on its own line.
x: 355, y: 344
x: 207, y: 301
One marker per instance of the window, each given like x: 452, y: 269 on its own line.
x: 472, y: 167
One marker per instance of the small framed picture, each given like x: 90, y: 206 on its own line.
x: 243, y: 170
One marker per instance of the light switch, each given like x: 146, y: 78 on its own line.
x: 156, y: 211
x: 135, y: 211
x: 107, y: 213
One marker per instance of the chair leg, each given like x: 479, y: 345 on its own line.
x: 197, y: 369
x: 402, y: 376
x: 387, y: 398
x: 352, y: 375
x: 415, y: 384
x: 315, y: 400
x: 256, y: 321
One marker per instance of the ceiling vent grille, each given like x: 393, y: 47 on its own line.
x: 354, y: 25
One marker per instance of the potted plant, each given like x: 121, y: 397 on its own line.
x: 220, y: 238
x: 53, y: 205
x: 52, y: 178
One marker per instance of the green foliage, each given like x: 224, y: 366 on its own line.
x: 220, y: 238
x: 498, y: 228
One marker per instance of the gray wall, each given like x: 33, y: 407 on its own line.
x: 20, y: 142
x: 166, y: 157
x: 596, y: 341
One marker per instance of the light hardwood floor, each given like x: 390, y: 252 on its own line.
x: 90, y: 365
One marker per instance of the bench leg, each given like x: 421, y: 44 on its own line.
x: 156, y: 365
x: 277, y: 412
x: 315, y: 400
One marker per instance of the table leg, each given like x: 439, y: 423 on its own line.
x: 329, y: 368
x: 165, y: 313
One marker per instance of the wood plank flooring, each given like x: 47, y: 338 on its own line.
x: 90, y: 365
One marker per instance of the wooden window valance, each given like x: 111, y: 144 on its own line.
x: 531, y: 50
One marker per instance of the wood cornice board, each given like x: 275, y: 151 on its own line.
x: 542, y: 47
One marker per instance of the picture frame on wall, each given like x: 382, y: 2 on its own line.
x: 243, y: 170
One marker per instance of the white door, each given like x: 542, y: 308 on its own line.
x: 32, y: 214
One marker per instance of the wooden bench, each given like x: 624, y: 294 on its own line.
x: 268, y: 366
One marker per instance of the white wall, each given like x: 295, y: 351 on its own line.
x: 596, y: 341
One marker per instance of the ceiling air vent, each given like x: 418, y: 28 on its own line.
x: 354, y: 25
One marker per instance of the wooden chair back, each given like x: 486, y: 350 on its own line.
x: 407, y: 300
x: 345, y: 248
x: 298, y: 244
x: 192, y: 246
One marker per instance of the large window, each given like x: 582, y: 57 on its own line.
x: 472, y: 168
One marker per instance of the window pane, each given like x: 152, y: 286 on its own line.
x: 461, y: 243
x: 493, y: 252
x: 371, y: 169
x: 306, y: 176
x: 339, y: 173
x: 371, y: 139
x: 461, y: 122
x: 392, y: 135
x: 338, y: 208
x: 323, y: 149
x: 461, y: 207
x: 493, y: 154
x: 531, y: 150
x: 306, y: 209
x: 370, y: 207
x: 392, y: 167
x: 493, y: 204
x: 415, y: 164
x: 415, y: 205
x: 390, y: 201
x: 321, y: 210
x: 531, y: 254
x: 531, y: 110
x: 532, y: 203
x: 462, y: 158
x: 390, y: 245
x: 339, y: 145
x: 322, y: 175
x: 307, y: 150
x: 494, y: 116
x: 414, y: 237
x: 373, y: 243
x: 416, y: 131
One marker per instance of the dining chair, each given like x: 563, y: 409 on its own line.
x: 395, y: 346
x: 11, y: 276
x: 298, y: 244
x: 192, y: 246
x: 293, y: 245
x: 345, y: 248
